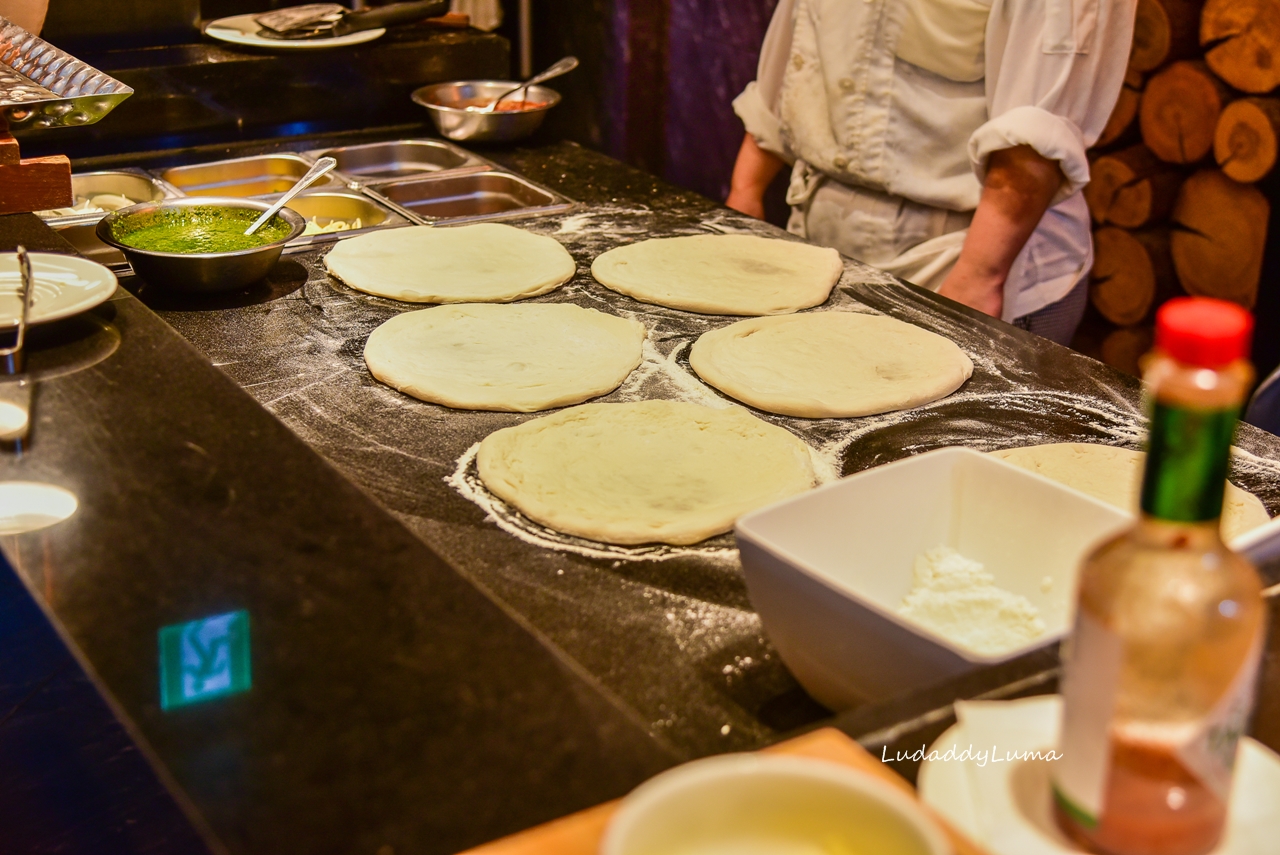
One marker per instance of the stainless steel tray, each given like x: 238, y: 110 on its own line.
x: 134, y: 184
x: 325, y: 206
x: 44, y: 87
x: 397, y: 159
x: 257, y: 176
x: 463, y: 197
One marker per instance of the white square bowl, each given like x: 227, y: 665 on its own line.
x: 827, y: 569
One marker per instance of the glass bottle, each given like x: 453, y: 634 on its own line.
x: 1159, y: 673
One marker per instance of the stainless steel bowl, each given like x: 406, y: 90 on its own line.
x: 200, y: 272
x: 445, y: 103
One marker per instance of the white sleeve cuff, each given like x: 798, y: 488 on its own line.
x: 761, y: 123
x: 1053, y: 137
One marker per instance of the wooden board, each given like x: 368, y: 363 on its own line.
x: 580, y: 833
x: 34, y: 184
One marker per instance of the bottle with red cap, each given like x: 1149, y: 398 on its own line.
x: 1159, y: 672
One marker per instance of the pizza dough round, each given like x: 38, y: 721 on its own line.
x: 1114, y: 475
x: 722, y: 274
x: 651, y: 471
x: 485, y: 262
x: 830, y: 364
x: 522, y: 358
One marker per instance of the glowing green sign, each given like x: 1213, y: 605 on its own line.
x: 204, y: 659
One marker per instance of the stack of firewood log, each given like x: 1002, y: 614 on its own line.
x: 1172, y: 196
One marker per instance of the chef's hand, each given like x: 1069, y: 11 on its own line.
x: 1019, y: 186
x: 28, y: 14
x: 754, y: 169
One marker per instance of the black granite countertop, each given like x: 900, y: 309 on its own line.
x: 676, y: 639
x: 390, y: 703
x: 414, y: 641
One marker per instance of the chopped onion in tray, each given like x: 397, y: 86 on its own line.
x: 99, y: 203
x: 314, y: 227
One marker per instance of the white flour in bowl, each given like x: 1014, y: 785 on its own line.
x: 957, y: 598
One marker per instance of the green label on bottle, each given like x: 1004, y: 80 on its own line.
x: 1187, y: 462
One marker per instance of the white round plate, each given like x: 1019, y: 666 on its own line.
x: 1252, y: 823
x: 65, y: 285
x: 243, y: 30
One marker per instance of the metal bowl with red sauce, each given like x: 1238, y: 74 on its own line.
x: 509, y: 105
x: 516, y: 118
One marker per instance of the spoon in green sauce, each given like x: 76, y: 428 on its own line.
x: 321, y: 166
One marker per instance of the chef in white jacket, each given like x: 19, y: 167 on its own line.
x: 941, y: 140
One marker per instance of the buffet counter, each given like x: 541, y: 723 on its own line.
x: 429, y: 670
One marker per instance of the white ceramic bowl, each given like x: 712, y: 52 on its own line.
x: 744, y: 804
x: 827, y: 569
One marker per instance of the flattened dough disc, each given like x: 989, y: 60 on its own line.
x: 651, y: 471
x: 481, y: 263
x: 722, y: 274
x: 1114, y: 475
x: 521, y: 358
x: 830, y: 364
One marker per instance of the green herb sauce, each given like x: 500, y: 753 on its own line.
x: 198, y: 229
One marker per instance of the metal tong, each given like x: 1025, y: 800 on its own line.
x: 12, y: 357
x: 15, y: 386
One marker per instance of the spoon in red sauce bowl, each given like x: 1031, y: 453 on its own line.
x: 564, y: 66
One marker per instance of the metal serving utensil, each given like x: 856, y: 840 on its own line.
x: 564, y: 66
x: 15, y: 386
x: 318, y: 169
x: 11, y: 357
x: 1260, y: 545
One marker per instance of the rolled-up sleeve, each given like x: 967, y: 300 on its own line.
x: 1054, y: 71
x: 757, y: 106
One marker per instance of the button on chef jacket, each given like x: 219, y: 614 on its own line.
x: 889, y: 109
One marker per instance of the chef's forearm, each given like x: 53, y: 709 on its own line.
x: 28, y: 14
x: 754, y: 169
x: 1019, y: 186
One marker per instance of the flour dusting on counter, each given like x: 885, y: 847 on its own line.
x: 650, y: 630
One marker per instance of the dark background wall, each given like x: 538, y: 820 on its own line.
x: 657, y: 81
x: 712, y: 51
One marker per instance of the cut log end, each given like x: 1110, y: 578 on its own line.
x: 1244, y: 36
x: 1246, y: 141
x: 1123, y: 116
x: 1164, y: 30
x: 1131, y: 188
x: 1180, y: 110
x: 1220, y: 233
x: 1132, y: 272
x: 1124, y: 348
